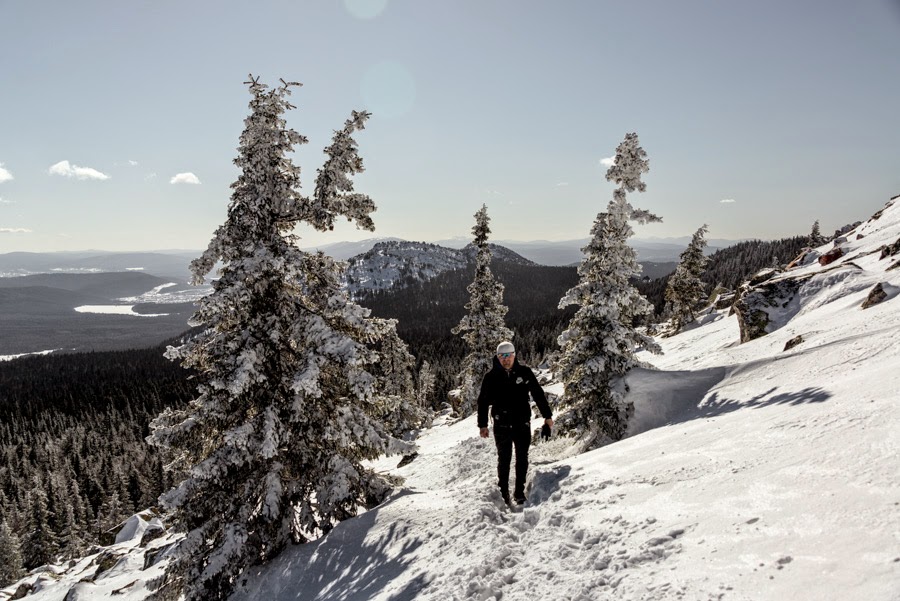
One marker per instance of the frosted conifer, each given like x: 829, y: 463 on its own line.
x: 685, y: 291
x: 815, y: 236
x: 396, y: 404
x: 425, y: 386
x: 70, y: 541
x: 39, y: 545
x: 272, y: 449
x: 10, y: 556
x: 110, y: 513
x: 483, y: 327
x: 599, y: 345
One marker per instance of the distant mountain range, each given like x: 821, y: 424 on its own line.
x: 40, y: 293
x: 175, y: 263
x: 543, y: 252
x: 398, y: 263
x: 168, y: 264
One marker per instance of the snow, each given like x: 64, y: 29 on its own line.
x: 11, y: 357
x: 135, y: 527
x: 749, y: 473
x: 115, y: 310
x: 159, y: 295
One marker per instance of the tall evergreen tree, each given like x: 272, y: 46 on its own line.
x: 111, y: 512
x: 395, y: 390
x: 395, y: 363
x: 483, y: 328
x: 425, y: 386
x: 685, y: 291
x: 815, y: 236
x: 70, y: 541
x: 10, y: 556
x: 272, y: 448
x: 39, y: 544
x: 599, y: 345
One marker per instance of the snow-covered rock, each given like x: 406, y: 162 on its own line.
x: 398, y: 263
x: 850, y: 263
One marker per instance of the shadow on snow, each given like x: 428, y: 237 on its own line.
x: 342, y: 566
x: 671, y: 397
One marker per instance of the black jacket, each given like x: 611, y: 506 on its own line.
x: 507, y: 394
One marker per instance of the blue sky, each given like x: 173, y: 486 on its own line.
x: 758, y: 117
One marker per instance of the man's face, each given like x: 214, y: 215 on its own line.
x: 506, y: 359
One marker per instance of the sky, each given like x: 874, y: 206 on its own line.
x: 120, y: 120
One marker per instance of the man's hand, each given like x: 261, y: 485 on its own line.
x: 549, y: 421
x: 483, y: 432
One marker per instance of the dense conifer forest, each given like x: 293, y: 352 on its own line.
x: 73, y: 460
x: 427, y: 311
x: 730, y: 266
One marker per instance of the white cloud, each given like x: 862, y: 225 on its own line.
x: 14, y: 230
x: 608, y: 161
x: 185, y: 178
x: 562, y: 184
x: 65, y: 169
x: 4, y: 201
x: 132, y: 163
x: 5, y: 175
x: 727, y: 201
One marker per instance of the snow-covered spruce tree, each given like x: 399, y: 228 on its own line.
x: 397, y: 407
x: 272, y: 448
x: 483, y: 327
x: 10, y: 556
x: 815, y: 236
x: 39, y: 545
x: 110, y: 513
x: 425, y: 386
x: 599, y: 345
x: 70, y: 541
x: 685, y: 291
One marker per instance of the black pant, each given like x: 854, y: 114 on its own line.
x: 505, y: 437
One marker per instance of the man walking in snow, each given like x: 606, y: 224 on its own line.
x: 506, y: 389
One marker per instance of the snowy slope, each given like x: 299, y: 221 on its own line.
x: 750, y: 473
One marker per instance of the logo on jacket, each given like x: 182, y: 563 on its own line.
x: 519, y: 380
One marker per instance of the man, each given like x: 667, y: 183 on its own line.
x: 505, y: 388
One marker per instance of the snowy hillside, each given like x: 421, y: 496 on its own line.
x: 751, y: 473
x: 400, y: 263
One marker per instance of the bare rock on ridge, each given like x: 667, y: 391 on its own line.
x: 760, y: 305
x: 876, y: 295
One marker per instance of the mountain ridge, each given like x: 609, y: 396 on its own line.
x: 399, y: 263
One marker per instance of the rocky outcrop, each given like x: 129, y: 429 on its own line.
x: 22, y: 590
x: 758, y: 305
x: 831, y: 256
x: 795, y: 341
x: 724, y: 301
x: 801, y: 258
x: 876, y: 295
x: 890, y: 250
x: 397, y: 264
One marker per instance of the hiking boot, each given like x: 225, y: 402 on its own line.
x: 505, y: 496
x: 520, y: 499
